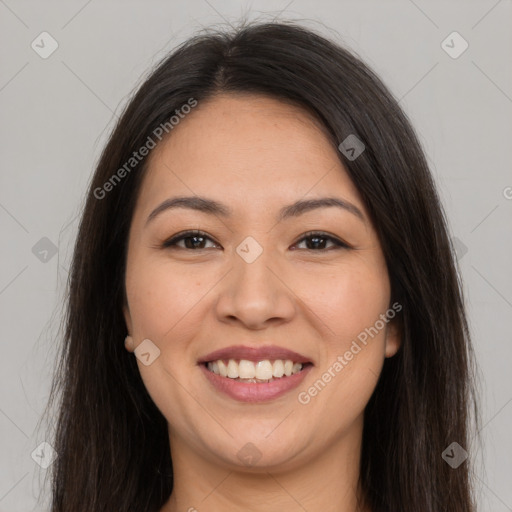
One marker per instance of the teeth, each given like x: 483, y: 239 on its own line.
x: 254, y: 372
x: 297, y: 367
x: 278, y: 368
x: 264, y: 370
x: 246, y: 370
x: 223, y: 369
x: 232, y: 369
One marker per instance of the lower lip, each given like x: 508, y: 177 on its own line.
x: 255, y: 391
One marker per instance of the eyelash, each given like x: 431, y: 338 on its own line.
x: 172, y: 242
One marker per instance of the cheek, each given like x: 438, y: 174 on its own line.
x: 161, y: 301
x: 345, y: 301
x: 161, y: 297
x: 348, y: 304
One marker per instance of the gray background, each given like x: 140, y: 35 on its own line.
x: 57, y: 112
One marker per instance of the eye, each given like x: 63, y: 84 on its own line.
x: 193, y: 240
x: 318, y: 241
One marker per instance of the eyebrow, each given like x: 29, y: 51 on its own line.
x: 212, y: 207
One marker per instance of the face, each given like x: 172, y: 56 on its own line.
x: 261, y: 283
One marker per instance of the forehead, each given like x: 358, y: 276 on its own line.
x: 247, y: 148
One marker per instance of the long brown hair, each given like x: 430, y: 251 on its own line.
x: 112, y: 441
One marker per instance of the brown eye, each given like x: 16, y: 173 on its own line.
x: 317, y: 241
x: 192, y: 240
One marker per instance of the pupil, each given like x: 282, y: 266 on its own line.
x: 195, y: 238
x: 315, y: 240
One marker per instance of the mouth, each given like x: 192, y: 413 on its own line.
x: 254, y: 374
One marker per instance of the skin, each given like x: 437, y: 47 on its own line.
x: 255, y: 155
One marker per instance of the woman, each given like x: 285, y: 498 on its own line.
x: 264, y: 311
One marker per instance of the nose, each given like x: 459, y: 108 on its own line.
x: 255, y: 294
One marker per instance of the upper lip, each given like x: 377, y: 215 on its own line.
x: 254, y: 354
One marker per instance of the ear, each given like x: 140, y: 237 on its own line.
x: 393, y: 337
x: 128, y: 342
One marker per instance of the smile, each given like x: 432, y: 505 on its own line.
x: 254, y: 374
